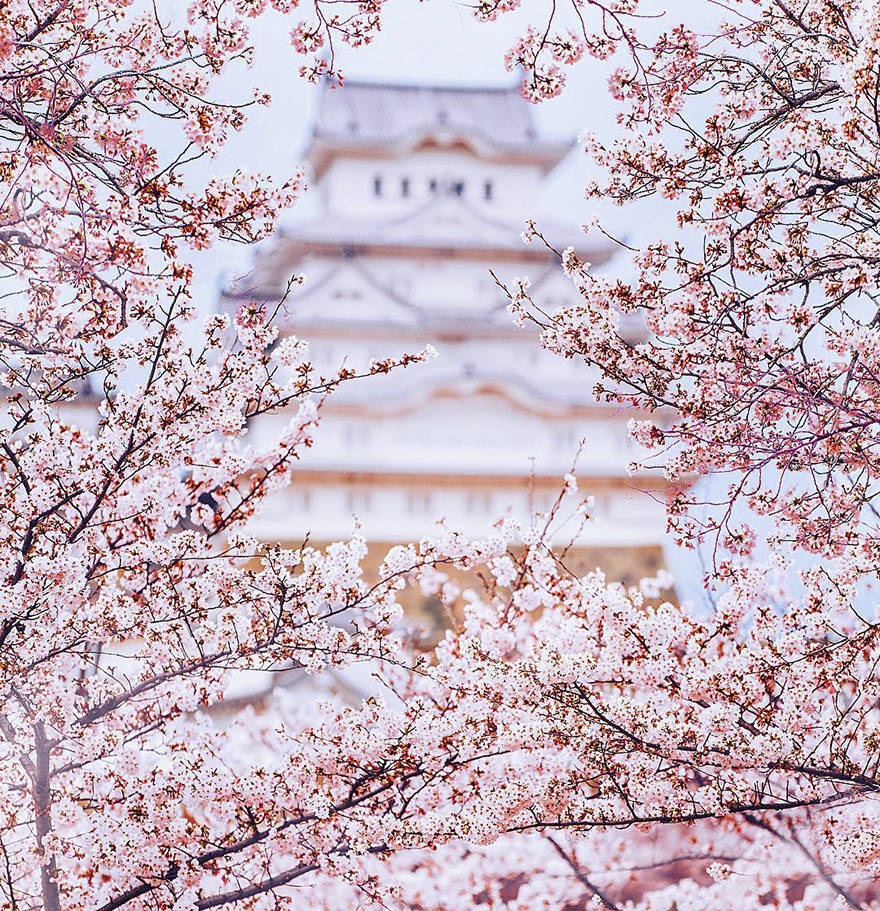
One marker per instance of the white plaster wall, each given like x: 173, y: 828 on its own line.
x: 348, y: 185
x: 398, y: 513
x: 479, y: 435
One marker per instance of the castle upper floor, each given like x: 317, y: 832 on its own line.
x: 385, y: 149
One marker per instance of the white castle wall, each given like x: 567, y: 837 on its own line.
x: 349, y: 185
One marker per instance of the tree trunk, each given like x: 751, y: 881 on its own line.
x: 43, y: 808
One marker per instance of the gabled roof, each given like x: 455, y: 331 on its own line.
x: 492, y: 121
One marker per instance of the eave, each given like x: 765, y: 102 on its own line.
x: 323, y: 151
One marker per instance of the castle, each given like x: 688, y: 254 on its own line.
x: 423, y: 189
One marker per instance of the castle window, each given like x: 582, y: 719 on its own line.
x: 487, y: 190
x: 567, y: 438
x: 458, y: 188
x: 418, y: 502
x: 377, y: 186
x: 478, y: 502
x: 404, y: 187
x: 432, y: 186
x: 357, y: 500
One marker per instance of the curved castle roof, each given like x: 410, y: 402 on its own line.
x: 390, y: 118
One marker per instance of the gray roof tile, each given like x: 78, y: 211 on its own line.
x: 385, y: 114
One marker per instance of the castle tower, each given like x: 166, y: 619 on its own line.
x: 424, y: 189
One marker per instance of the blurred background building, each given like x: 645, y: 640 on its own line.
x: 423, y: 190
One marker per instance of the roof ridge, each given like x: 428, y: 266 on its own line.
x: 367, y: 83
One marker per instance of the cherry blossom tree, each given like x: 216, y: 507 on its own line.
x: 569, y: 742
x: 760, y: 309
x: 758, y: 360
x: 125, y: 606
